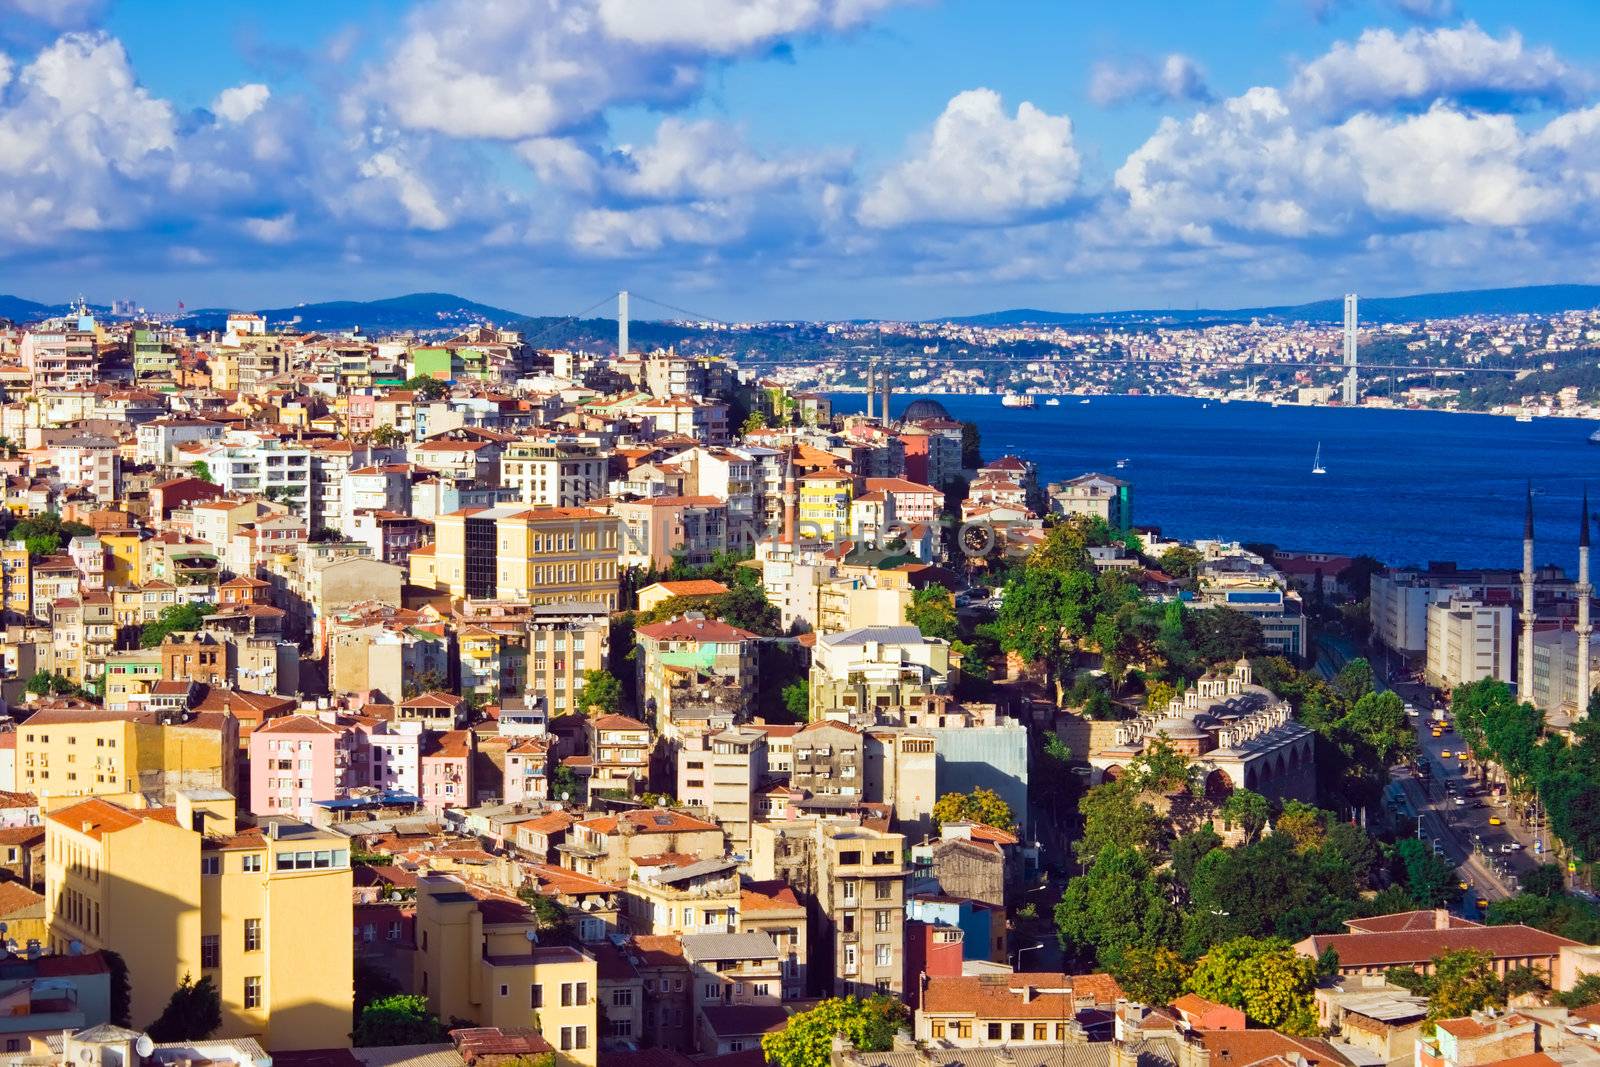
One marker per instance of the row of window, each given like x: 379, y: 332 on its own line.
x: 249, y: 863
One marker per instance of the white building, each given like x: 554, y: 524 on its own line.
x: 1468, y: 641
x: 281, y: 473
x: 554, y: 473
x: 1555, y: 671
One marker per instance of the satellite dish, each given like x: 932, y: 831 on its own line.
x: 144, y: 1046
x: 532, y: 936
x: 86, y: 1055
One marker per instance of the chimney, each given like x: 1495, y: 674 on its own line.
x: 1441, y: 918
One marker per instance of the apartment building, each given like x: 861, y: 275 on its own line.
x: 478, y: 958
x: 619, y: 747
x: 678, y: 895
x: 264, y: 911
x: 878, y: 673
x: 554, y: 473
x: 508, y: 552
x: 1098, y: 496
x: 994, y: 1011
x: 720, y: 774
x: 737, y: 990
x: 657, y: 530
x: 683, y: 658
x: 1468, y: 641
x: 73, y: 750
x: 860, y: 910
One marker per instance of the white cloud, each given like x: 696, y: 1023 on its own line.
x: 608, y: 232
x: 1176, y: 78
x: 55, y: 14
x: 241, y: 101
x: 405, y: 182
x: 276, y: 230
x: 77, y: 132
x: 560, y: 161
x: 1382, y: 69
x: 518, y: 69
x: 725, y: 27
x: 704, y: 159
x: 979, y: 166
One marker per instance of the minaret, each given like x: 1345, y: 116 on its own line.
x: 1585, y: 591
x: 789, y: 501
x: 1525, y: 678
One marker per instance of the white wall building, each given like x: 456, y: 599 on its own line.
x: 1555, y: 671
x: 1468, y: 641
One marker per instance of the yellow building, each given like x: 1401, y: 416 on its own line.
x: 78, y: 750
x: 475, y: 960
x: 825, y: 504
x: 537, y: 556
x: 16, y: 579
x: 125, y: 559
x: 264, y: 911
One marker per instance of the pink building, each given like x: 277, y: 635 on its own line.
x: 359, y: 412
x: 913, y: 502
x: 446, y: 771
x: 297, y: 760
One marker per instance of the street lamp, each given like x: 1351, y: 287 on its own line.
x: 1026, y: 948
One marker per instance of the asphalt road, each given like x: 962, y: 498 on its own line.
x: 1478, y: 849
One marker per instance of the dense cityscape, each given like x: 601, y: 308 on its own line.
x: 799, y: 533
x: 466, y: 698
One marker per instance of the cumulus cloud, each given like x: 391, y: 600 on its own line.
x: 979, y: 166
x: 240, y: 102
x: 513, y: 69
x: 1383, y: 69
x: 1176, y: 78
x: 726, y: 27
x: 77, y: 131
x: 54, y: 14
x: 705, y: 159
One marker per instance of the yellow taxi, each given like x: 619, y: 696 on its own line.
x: 1483, y: 903
x: 1494, y: 820
x: 1444, y: 753
x: 1437, y: 733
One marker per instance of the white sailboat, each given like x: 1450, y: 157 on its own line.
x: 1316, y: 464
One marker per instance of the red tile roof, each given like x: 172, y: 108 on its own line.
x: 1405, y: 947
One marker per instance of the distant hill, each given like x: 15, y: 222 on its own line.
x: 1530, y: 299
x: 414, y: 311
x: 19, y: 309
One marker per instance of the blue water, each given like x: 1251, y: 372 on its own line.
x: 1404, y: 486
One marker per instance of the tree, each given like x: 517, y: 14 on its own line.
x: 1378, y: 721
x: 601, y: 690
x: 1545, y: 880
x: 1248, y: 809
x: 1181, y: 562
x: 1152, y: 975
x: 1585, y: 992
x: 174, y: 618
x: 568, y: 785
x: 1222, y: 635
x: 428, y: 388
x: 121, y: 988
x: 933, y: 612
x: 981, y: 805
x: 1428, y: 878
x: 1188, y: 851
x: 1265, y: 978
x: 971, y: 446
x: 194, y: 1012
x: 753, y: 422
x: 385, y: 435
x: 1463, y: 982
x: 1115, y: 814
x: 797, y: 699
x: 1043, y: 609
x: 807, y: 1038
x: 202, y: 470
x: 403, y: 1019
x: 1117, y: 905
x: 1302, y: 824
x: 52, y: 683
x: 548, y: 914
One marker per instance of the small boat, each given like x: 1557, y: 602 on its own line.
x: 1594, y: 438
x: 1524, y: 417
x: 1316, y: 464
x: 1121, y: 463
x: 1016, y: 400
x: 1053, y: 402
x: 1085, y: 400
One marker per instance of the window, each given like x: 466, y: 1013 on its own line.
x: 252, y: 992
x: 883, y: 956
x: 622, y: 998
x: 252, y: 935
x: 995, y: 1032
x: 250, y: 864
x: 210, y: 864
x: 566, y: 1039
x: 847, y: 890
x: 1041, y: 1031
x: 581, y: 1036
x: 536, y: 996
x: 505, y: 990
x: 1018, y: 1031
x: 883, y: 890
x: 394, y: 930
x: 880, y: 922
x: 210, y: 951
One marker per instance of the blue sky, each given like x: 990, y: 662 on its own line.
x: 794, y: 158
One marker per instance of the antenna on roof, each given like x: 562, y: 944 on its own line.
x: 144, y: 1046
